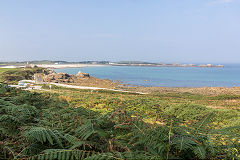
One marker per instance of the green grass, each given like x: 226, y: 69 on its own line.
x: 3, y: 70
x: 13, y: 75
x: 8, y: 69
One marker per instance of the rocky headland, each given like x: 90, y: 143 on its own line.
x: 81, y: 79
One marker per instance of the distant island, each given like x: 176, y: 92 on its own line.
x: 136, y: 63
x: 66, y: 64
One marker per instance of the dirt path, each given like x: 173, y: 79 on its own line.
x: 81, y: 87
x: 93, y: 88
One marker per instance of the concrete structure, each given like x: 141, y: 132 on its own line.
x: 26, y: 85
x: 38, y: 78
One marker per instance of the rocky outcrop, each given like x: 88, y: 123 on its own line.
x: 82, y: 75
x: 61, y: 76
x: 82, y: 79
x: 64, y: 77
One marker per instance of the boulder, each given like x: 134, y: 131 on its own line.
x: 48, y: 78
x: 82, y: 75
x: 61, y: 76
x: 66, y: 78
x: 50, y: 72
x: 56, y: 77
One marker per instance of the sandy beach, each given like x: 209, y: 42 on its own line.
x: 9, y: 66
x: 57, y: 66
x: 60, y: 66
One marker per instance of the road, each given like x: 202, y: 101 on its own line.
x: 77, y: 87
x: 92, y: 88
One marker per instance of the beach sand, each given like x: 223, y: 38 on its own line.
x: 55, y: 66
x: 60, y: 66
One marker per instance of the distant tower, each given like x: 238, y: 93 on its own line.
x: 27, y: 65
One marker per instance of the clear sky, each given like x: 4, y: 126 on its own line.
x: 145, y: 30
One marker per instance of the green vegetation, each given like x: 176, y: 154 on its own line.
x: 185, y: 106
x: 13, y: 75
x: 78, y: 124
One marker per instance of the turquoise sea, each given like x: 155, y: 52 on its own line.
x: 229, y: 76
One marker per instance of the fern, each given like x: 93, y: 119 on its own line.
x: 61, y: 154
x: 42, y: 135
x: 9, y: 125
x: 183, y: 143
x: 200, y: 152
x: 85, y: 131
x: 7, y: 152
x: 54, y: 129
x: 75, y: 142
x: 31, y: 150
x: 3, y: 88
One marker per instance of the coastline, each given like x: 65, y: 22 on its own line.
x: 172, y: 65
x: 55, y: 66
x: 109, y: 84
x: 63, y: 66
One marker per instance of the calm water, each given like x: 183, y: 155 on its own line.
x: 166, y: 76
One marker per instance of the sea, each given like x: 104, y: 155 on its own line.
x: 229, y: 76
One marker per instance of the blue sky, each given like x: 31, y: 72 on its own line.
x: 146, y: 30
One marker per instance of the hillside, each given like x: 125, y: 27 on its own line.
x: 66, y: 123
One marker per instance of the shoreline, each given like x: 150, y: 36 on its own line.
x: 121, y: 84
x: 109, y: 84
x: 55, y: 66
x: 63, y: 66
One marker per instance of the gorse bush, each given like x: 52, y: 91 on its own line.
x: 42, y: 126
